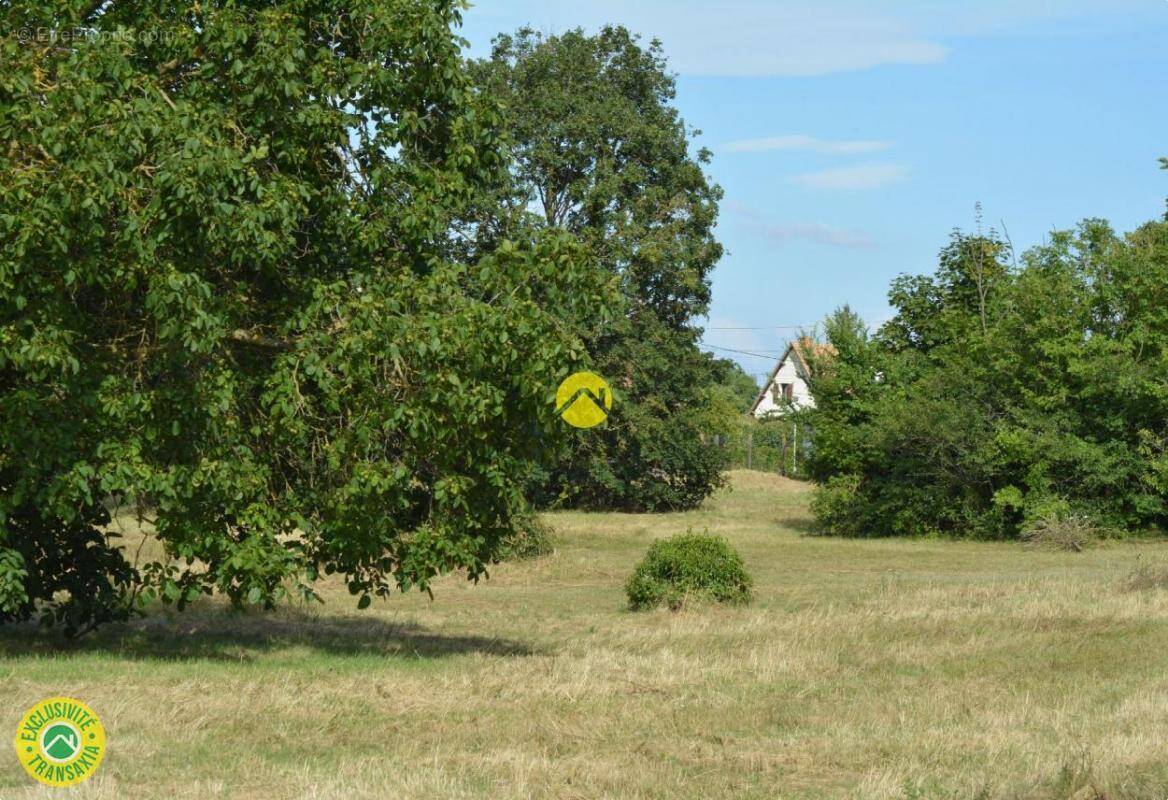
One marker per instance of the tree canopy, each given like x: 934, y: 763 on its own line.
x: 1002, y: 394
x: 229, y: 299
x: 599, y: 151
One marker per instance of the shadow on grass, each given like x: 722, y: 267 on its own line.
x: 802, y: 525
x: 225, y: 635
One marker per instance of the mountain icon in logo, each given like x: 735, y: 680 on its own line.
x: 583, y: 400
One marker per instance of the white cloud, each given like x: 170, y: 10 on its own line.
x: 734, y: 38
x: 864, y: 176
x: 807, y: 143
x: 788, y: 37
x: 816, y: 232
x: 795, y: 40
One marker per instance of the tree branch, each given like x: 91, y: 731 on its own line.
x: 92, y: 9
x: 259, y: 340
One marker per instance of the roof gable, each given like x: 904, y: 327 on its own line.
x: 805, y: 351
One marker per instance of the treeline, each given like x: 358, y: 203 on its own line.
x: 1004, y: 394
x: 295, y: 284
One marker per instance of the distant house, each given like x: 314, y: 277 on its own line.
x: 788, y: 387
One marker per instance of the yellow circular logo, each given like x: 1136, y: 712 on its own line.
x: 60, y: 741
x: 583, y: 400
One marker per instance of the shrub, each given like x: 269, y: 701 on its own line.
x: 532, y: 538
x: 1146, y: 577
x: 1072, y: 532
x: 686, y: 568
x: 837, y: 505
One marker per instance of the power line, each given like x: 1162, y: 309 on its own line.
x: 770, y: 357
x: 766, y: 328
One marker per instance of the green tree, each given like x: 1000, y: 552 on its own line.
x: 1001, y: 395
x: 733, y: 385
x: 599, y: 151
x: 227, y: 296
x: 724, y: 418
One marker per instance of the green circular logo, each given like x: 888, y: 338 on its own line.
x: 60, y: 742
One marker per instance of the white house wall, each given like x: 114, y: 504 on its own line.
x: 790, y: 373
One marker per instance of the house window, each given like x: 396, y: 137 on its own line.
x: 775, y: 392
x: 788, y: 392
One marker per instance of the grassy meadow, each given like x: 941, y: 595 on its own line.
x: 863, y: 669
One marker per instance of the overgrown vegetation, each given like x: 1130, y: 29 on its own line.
x: 241, y: 258
x: 689, y: 568
x: 1004, y: 395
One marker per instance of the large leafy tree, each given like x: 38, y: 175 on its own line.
x: 600, y: 151
x: 228, y: 296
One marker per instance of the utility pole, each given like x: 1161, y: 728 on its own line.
x: 794, y: 447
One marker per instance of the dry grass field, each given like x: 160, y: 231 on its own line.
x: 863, y: 669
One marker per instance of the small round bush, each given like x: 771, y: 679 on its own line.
x: 688, y: 568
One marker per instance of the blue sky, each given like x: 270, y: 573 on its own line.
x: 852, y: 137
